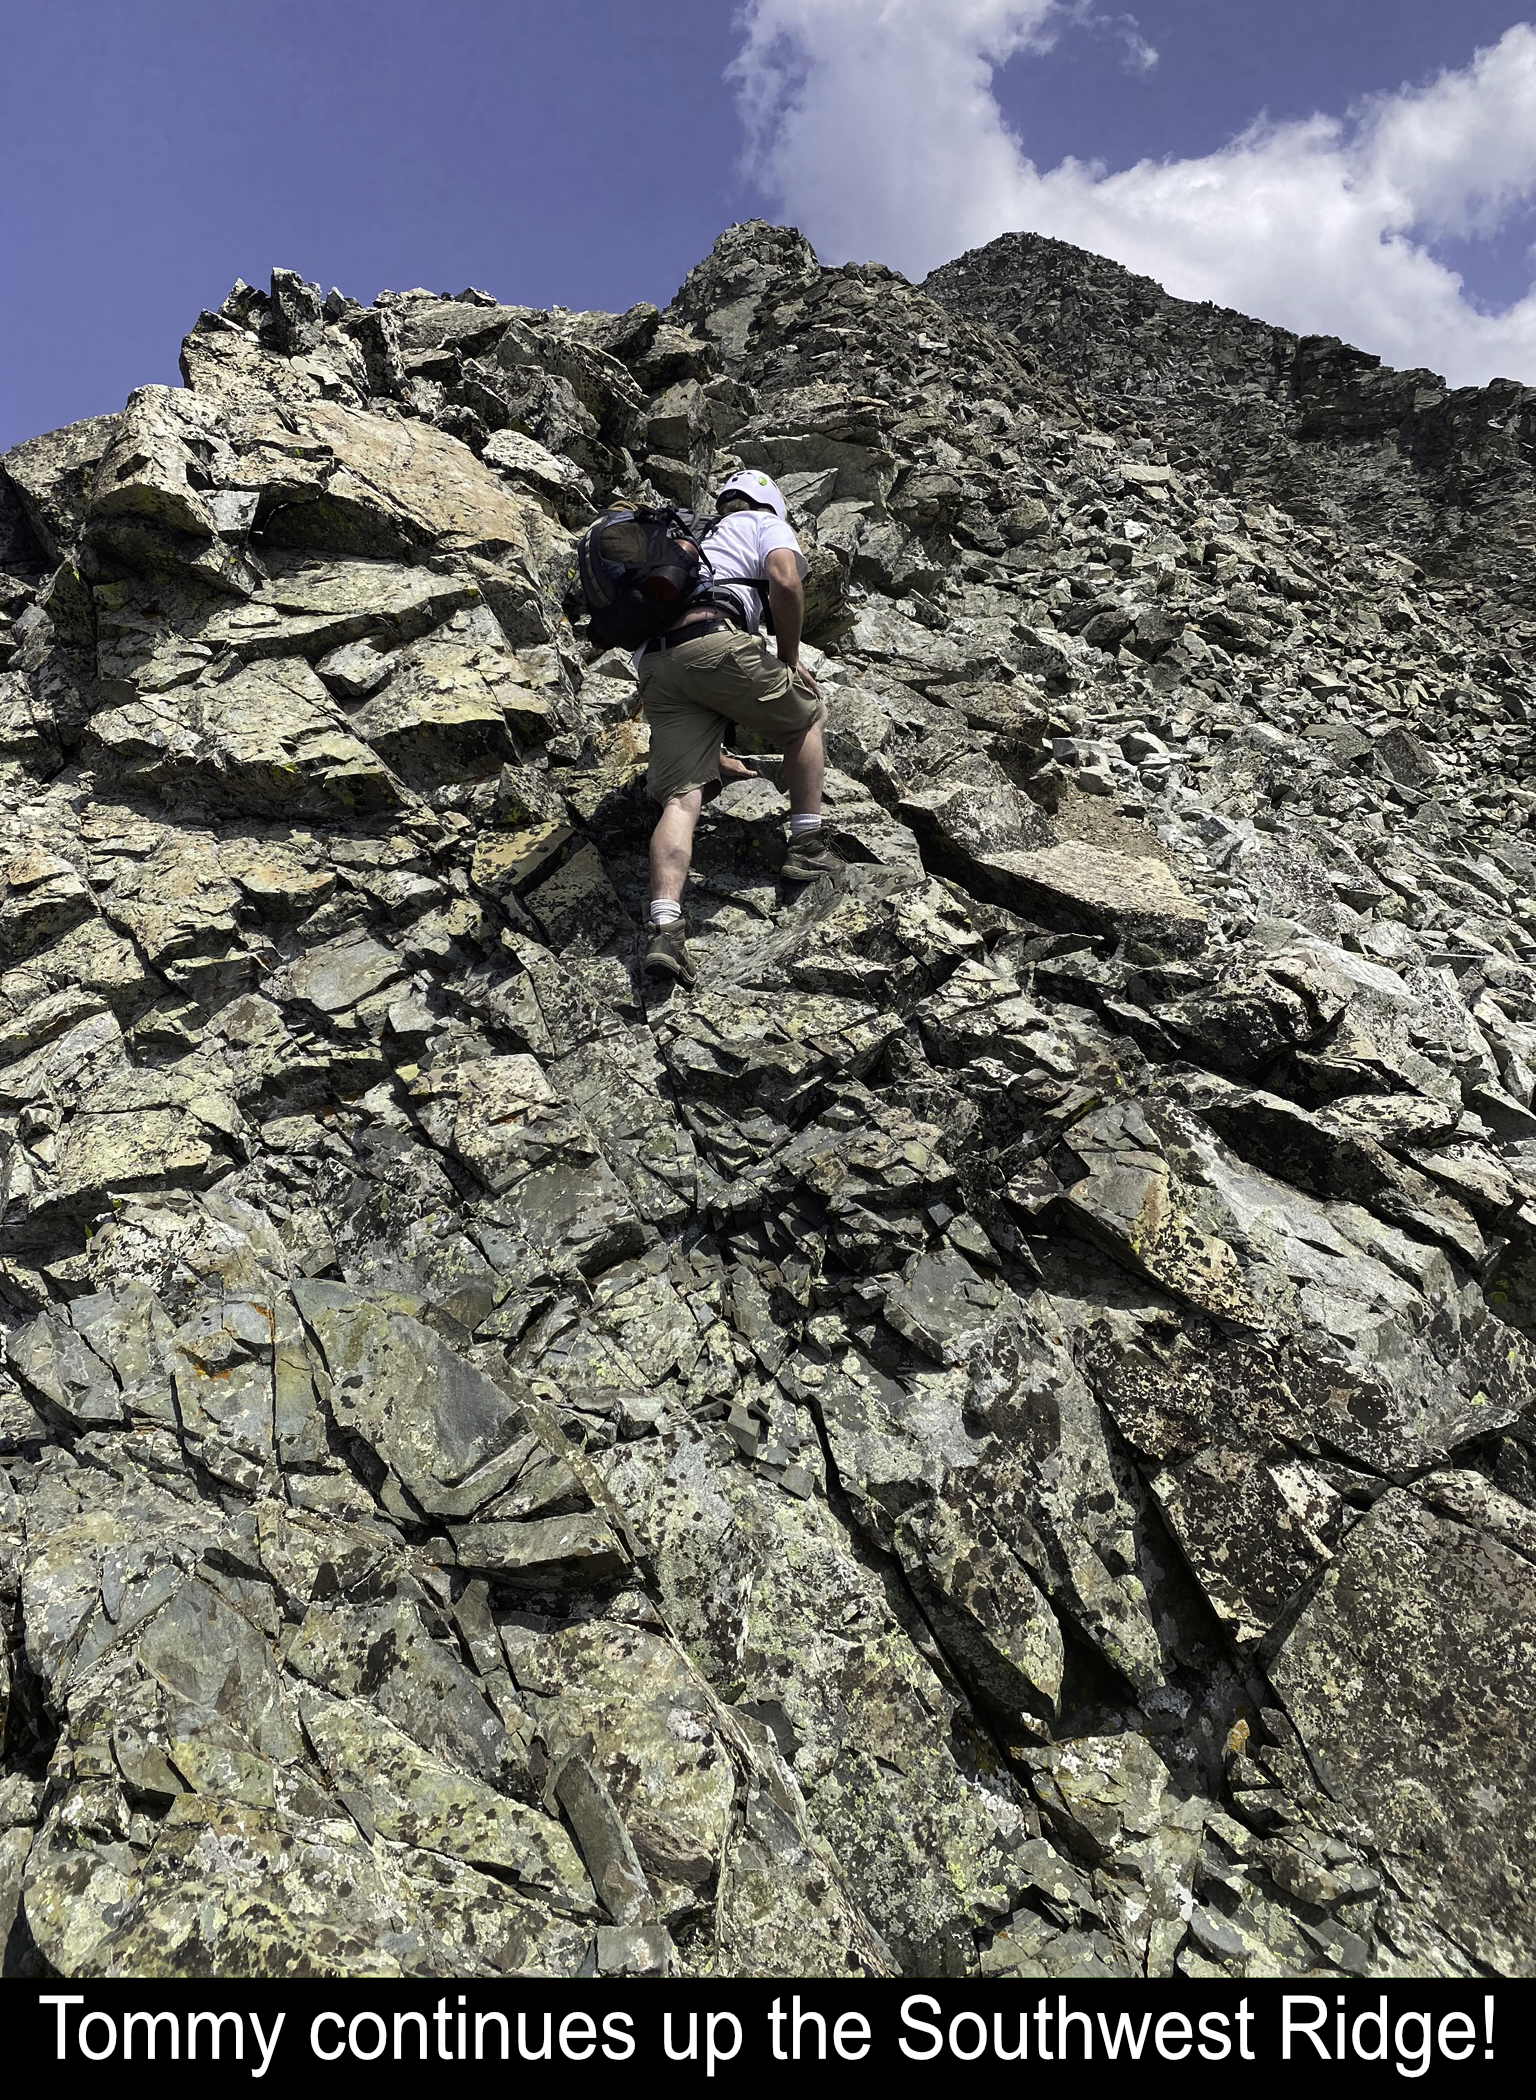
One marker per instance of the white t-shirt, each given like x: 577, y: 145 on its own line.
x: 740, y: 546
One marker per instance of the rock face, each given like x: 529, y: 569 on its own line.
x: 1315, y: 425
x: 992, y: 1436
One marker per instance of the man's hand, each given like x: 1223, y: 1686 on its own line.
x: 802, y: 676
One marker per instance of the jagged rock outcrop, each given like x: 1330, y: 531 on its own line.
x: 995, y: 1435
x: 1325, y: 430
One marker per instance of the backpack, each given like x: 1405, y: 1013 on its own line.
x: 640, y: 572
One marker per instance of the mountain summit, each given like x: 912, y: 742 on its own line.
x: 1325, y: 431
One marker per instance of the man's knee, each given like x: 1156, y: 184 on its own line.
x: 683, y: 805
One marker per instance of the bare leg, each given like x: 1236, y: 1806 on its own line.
x: 805, y: 771
x: 672, y: 844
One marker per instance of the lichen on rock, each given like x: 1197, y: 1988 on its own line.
x: 991, y: 1436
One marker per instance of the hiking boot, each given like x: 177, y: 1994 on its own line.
x: 667, y: 955
x: 813, y: 853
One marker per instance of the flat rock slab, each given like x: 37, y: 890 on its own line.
x: 268, y: 740
x: 337, y: 977
x: 652, y: 1720
x: 319, y: 606
x: 442, y: 1427
x: 53, y: 476
x: 402, y: 601
x: 429, y: 481
x: 545, y: 1553
x: 60, y: 1364
x: 572, y: 1216
x: 1412, y: 1677
x: 526, y: 464
x: 41, y: 896
x: 1093, y: 889
x: 1134, y: 1206
x: 577, y: 907
x: 500, y: 1116
x: 1254, y: 1529
x: 144, y: 1128
x: 962, y: 820
x: 289, y: 1896
x: 1380, y: 1351
x: 443, y: 716
x: 273, y: 879
x: 514, y: 860
x: 417, y: 1799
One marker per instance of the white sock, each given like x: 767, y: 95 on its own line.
x: 664, y: 911
x: 798, y: 826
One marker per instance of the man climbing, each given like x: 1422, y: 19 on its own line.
x: 714, y: 667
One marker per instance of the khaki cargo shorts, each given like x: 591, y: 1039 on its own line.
x: 692, y: 691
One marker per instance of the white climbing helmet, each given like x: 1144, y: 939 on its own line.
x: 757, y: 488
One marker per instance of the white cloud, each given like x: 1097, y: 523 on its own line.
x: 1136, y: 54
x: 873, y: 126
x: 1140, y: 56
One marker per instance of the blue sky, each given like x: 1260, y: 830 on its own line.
x: 1339, y: 164
x: 1219, y: 66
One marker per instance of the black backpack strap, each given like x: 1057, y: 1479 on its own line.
x: 702, y: 527
x: 755, y: 583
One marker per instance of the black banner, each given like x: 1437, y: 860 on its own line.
x: 473, y: 2034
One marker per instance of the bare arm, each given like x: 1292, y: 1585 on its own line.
x: 786, y: 597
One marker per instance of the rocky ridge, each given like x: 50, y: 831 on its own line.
x: 1311, y: 423
x: 995, y: 1434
